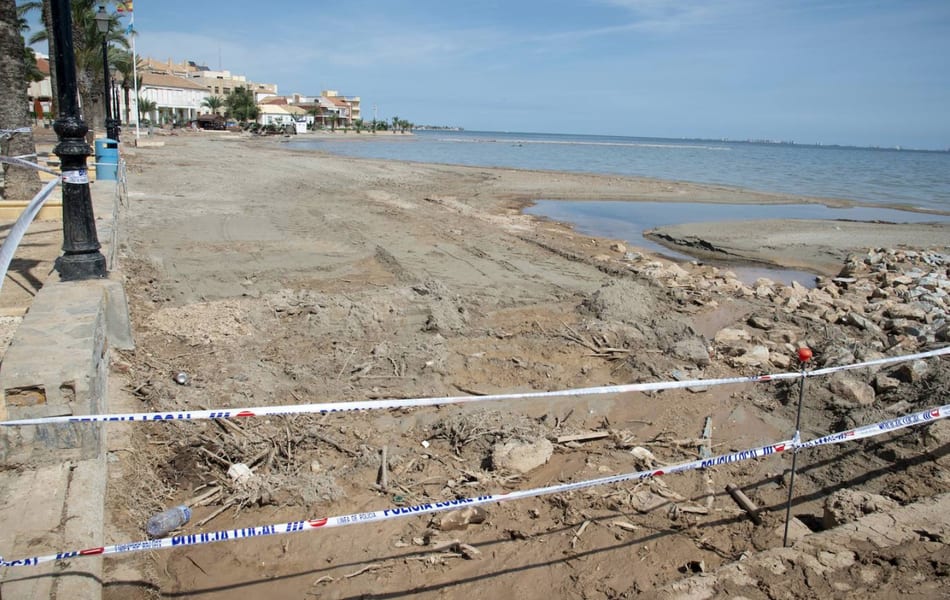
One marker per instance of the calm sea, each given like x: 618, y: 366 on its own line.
x: 869, y: 176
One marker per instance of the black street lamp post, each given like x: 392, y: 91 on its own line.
x: 81, y: 257
x: 103, y: 20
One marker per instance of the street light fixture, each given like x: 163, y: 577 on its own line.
x: 103, y: 21
x: 81, y: 257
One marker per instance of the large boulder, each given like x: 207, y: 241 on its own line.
x: 692, y: 349
x: 521, y: 456
x: 851, y: 390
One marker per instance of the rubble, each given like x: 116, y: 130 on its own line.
x: 845, y: 506
x: 883, y: 302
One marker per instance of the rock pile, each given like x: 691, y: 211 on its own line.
x: 883, y: 302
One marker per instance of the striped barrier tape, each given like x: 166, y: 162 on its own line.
x: 9, y: 133
x: 918, y: 418
x: 395, y: 512
x: 10, y: 160
x: 334, y: 407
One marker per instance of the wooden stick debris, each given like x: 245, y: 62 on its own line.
x: 336, y: 445
x: 202, y: 498
x: 582, y: 437
x: 625, y: 525
x: 205, y: 521
x: 745, y: 503
x: 371, y: 567
x: 705, y: 449
x: 384, y: 469
x: 214, y: 456
x: 580, y: 531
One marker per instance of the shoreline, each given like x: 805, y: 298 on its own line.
x: 764, y: 196
x: 733, y: 242
x: 717, y: 192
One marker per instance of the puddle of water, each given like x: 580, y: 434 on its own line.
x: 628, y: 220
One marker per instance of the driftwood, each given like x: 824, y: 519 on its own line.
x: 580, y: 531
x: 226, y: 506
x: 625, y: 525
x: 745, y: 503
x: 582, y: 437
x: 384, y: 469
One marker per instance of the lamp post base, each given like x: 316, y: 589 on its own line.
x: 76, y: 267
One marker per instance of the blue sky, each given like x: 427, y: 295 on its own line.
x: 836, y: 71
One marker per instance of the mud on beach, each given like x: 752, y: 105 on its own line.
x: 279, y: 277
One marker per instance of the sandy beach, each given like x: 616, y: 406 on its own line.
x: 273, y: 276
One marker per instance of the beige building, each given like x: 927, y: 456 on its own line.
x: 218, y: 83
x: 352, y: 103
x: 177, y: 99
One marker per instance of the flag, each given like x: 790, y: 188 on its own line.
x: 124, y: 7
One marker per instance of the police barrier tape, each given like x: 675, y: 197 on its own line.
x: 332, y: 407
x: 19, y: 162
x: 395, y: 512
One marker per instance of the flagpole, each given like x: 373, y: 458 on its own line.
x: 135, y: 75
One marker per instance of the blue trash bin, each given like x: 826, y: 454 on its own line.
x: 107, y: 159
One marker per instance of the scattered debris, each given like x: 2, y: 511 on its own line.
x: 580, y: 531
x: 240, y: 473
x: 705, y: 449
x: 625, y: 525
x: 582, y: 437
x: 460, y: 519
x: 644, y: 458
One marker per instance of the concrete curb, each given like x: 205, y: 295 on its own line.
x: 53, y: 480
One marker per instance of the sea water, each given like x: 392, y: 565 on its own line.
x: 910, y: 178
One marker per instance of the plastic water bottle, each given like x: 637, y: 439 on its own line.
x: 168, y: 521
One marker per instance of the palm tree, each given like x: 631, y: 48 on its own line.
x: 23, y: 9
x: 395, y: 123
x: 18, y: 183
x: 29, y: 59
x: 87, y: 46
x: 213, y: 103
x: 146, y: 108
x: 123, y: 64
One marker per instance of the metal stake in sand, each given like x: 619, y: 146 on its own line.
x: 804, y: 355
